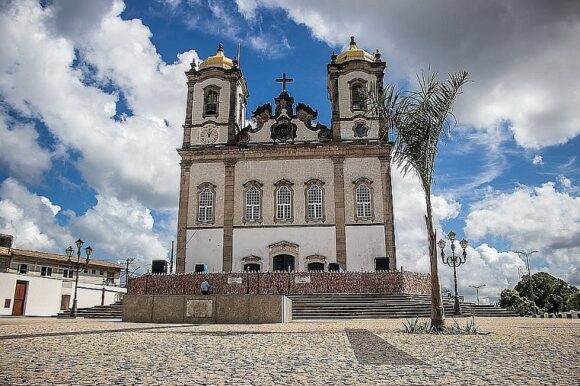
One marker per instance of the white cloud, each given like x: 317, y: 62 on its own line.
x: 112, y: 228
x: 30, y: 219
x: 38, y: 79
x: 538, y: 160
x: 517, y: 52
x: 540, y: 218
x: 485, y: 265
x: 20, y: 153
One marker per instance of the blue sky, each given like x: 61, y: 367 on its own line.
x: 92, y: 98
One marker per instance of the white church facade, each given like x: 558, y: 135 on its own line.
x: 285, y: 192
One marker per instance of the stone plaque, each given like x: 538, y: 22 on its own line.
x: 199, y: 308
x: 234, y: 280
x: 302, y: 279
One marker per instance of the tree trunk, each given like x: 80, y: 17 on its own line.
x: 437, y: 310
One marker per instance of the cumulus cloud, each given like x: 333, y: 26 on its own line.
x: 41, y: 76
x: 30, y: 218
x: 538, y: 160
x: 540, y: 218
x: 486, y: 265
x: 112, y: 228
x: 20, y: 153
x: 519, y: 53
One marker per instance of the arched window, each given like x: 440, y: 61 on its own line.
x: 363, y: 199
x: 357, y: 95
x: 283, y: 203
x: 205, y: 208
x: 211, y: 101
x: 314, y: 203
x: 314, y: 200
x: 252, y: 202
x: 283, y: 198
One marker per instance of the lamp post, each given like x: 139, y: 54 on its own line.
x: 527, y: 255
x: 454, y: 261
x: 477, y: 287
x: 77, y: 265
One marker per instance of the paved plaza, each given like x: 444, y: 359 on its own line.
x: 41, y: 351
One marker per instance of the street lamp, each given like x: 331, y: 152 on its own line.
x: 477, y: 287
x: 454, y: 261
x: 527, y: 255
x: 77, y: 265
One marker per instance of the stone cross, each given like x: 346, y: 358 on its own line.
x: 284, y: 80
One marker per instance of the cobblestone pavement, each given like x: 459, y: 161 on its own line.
x: 41, y: 351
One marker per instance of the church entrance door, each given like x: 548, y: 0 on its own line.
x: 283, y: 263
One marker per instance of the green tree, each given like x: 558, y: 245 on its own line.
x: 550, y: 292
x: 573, y: 301
x: 419, y: 120
x: 512, y: 300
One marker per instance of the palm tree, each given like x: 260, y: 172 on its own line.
x: 419, y: 120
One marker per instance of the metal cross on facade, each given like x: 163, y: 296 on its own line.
x: 284, y: 80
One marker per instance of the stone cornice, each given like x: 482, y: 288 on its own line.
x: 285, y: 152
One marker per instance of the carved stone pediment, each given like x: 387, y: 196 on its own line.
x: 284, y: 102
x: 261, y: 115
x: 251, y: 259
x: 283, y: 247
x: 283, y: 130
x: 315, y: 259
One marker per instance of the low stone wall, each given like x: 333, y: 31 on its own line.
x: 207, y: 308
x: 282, y: 283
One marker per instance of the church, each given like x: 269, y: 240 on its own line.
x: 283, y: 192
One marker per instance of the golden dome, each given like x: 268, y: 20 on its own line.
x: 354, y: 53
x: 218, y: 60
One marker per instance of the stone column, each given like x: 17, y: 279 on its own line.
x: 228, y: 245
x: 188, y: 116
x: 388, y: 215
x: 339, y: 213
x: 182, y: 216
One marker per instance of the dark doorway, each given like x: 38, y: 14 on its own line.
x: 333, y: 267
x: 283, y: 263
x: 252, y: 267
x: 316, y: 266
x: 382, y: 264
x: 19, y: 298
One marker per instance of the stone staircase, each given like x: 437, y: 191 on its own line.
x: 369, y: 306
x: 112, y: 311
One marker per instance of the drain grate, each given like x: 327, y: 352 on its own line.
x: 370, y: 349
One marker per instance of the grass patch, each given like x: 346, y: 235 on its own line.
x: 416, y: 326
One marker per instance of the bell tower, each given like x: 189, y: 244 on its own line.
x: 350, y: 75
x: 216, y: 101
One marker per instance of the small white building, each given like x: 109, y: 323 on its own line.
x: 36, y: 283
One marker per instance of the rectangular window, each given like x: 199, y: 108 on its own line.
x: 101, y: 273
x: 94, y: 272
x: 46, y: 271
x: 23, y: 268
x: 110, y: 277
x: 67, y: 273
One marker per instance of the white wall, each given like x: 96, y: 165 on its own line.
x: 89, y: 295
x: 311, y: 240
x: 363, y: 244
x: 43, y: 295
x: 204, y: 246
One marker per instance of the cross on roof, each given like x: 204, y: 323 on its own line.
x: 284, y: 80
